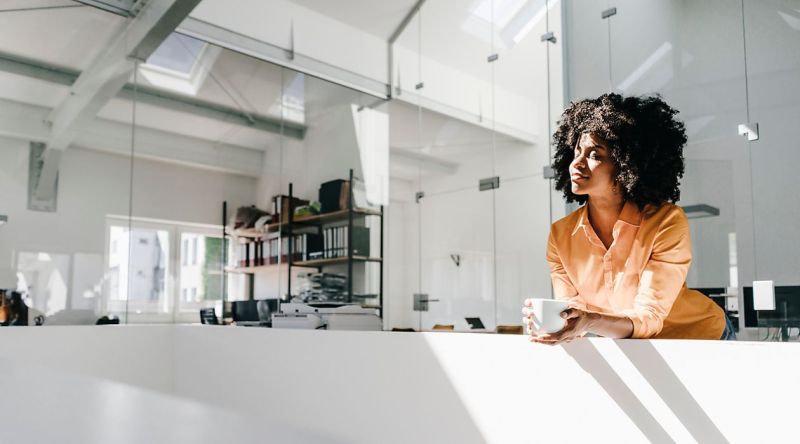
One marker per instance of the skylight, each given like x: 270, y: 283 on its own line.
x: 513, y: 19
x: 180, y: 64
x: 178, y: 53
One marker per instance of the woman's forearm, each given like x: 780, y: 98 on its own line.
x: 610, y: 326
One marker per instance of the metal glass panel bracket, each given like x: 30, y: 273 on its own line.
x: 421, y: 301
x: 608, y: 13
x: 548, y: 172
x: 700, y: 210
x: 489, y: 183
x: 549, y: 37
x: 749, y: 129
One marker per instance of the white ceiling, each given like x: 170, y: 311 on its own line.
x: 68, y: 37
x: 379, y: 18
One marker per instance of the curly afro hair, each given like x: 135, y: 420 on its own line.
x: 645, y: 142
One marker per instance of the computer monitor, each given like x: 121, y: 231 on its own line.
x: 244, y: 311
x: 254, y: 310
x: 475, y: 323
x: 786, y: 313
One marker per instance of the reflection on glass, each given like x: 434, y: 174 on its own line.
x: 45, y: 276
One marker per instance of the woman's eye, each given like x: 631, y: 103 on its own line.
x: 594, y: 156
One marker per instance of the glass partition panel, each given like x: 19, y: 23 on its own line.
x: 528, y: 36
x: 587, y: 57
x: 772, y: 31
x: 346, y: 141
x: 63, y: 173
x: 225, y: 139
x: 458, y: 260
x: 675, y: 49
x: 198, y: 151
x: 454, y: 151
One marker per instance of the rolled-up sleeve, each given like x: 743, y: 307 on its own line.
x: 563, y: 288
x: 663, y: 277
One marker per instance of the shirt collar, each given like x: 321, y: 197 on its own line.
x: 630, y: 215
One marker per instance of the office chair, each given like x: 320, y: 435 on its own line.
x: 207, y: 316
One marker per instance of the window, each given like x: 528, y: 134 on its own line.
x: 138, y: 271
x: 203, y: 275
x: 173, y: 270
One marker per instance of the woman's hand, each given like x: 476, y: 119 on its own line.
x: 577, y: 325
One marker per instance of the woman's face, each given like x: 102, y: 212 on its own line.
x: 592, y: 171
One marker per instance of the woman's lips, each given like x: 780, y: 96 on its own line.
x: 576, y: 177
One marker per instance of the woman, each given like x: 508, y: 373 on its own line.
x: 621, y: 259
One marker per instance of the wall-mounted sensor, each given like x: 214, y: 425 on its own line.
x: 3, y: 219
x: 763, y: 295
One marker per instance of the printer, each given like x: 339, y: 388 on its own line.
x: 326, y: 315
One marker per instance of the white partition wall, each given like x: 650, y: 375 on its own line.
x: 364, y: 387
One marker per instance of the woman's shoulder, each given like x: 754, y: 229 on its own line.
x: 664, y: 215
x: 567, y: 223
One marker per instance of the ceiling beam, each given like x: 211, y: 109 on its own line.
x: 164, y: 99
x: 136, y: 39
x: 107, y: 74
x: 26, y: 122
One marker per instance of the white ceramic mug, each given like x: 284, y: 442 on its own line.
x: 547, y: 315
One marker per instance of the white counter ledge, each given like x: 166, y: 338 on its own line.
x: 439, y: 387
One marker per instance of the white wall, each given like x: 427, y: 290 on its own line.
x: 94, y: 185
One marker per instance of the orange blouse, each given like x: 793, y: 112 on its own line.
x: 642, y: 275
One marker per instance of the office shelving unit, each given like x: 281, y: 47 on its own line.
x: 318, y: 221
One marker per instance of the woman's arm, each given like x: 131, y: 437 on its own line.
x: 580, y: 322
x: 663, y: 277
